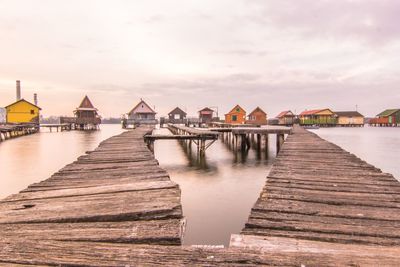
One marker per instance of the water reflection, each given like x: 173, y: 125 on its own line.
x: 218, y: 191
x: 194, y: 159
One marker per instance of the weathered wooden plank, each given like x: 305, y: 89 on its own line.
x: 161, y: 232
x: 106, y: 254
x: 65, y: 183
x: 93, y: 190
x: 76, y: 166
x: 135, y: 205
x: 293, y: 216
x: 369, y: 233
x: 336, y: 188
x: 290, y: 245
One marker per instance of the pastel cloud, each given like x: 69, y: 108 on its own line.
x: 287, y: 54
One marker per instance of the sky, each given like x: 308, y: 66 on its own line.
x: 279, y: 55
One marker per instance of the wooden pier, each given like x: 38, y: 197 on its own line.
x: 245, y: 137
x: 116, y: 194
x: 321, y: 206
x: 231, y: 125
x: 8, y: 131
x: 323, y: 199
x: 59, y: 127
x: 184, y: 133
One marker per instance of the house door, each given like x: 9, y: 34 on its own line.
x: 390, y: 119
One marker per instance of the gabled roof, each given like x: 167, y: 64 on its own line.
x: 314, y: 111
x: 86, y: 104
x: 388, y: 112
x: 206, y: 109
x: 348, y: 113
x: 177, y: 110
x: 23, y: 100
x: 143, y: 107
x: 235, y: 108
x: 285, y: 113
x: 257, y: 109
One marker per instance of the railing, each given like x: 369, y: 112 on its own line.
x: 384, y: 120
x: 319, y: 121
x: 141, y: 121
x: 74, y: 120
x: 88, y: 121
x: 67, y: 120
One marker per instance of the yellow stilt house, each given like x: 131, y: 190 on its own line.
x: 22, y: 111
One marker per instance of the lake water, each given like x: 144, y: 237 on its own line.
x: 217, y: 194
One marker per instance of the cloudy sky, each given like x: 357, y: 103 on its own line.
x: 282, y: 54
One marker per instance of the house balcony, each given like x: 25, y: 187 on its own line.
x: 384, y: 120
x: 318, y: 121
x: 93, y: 121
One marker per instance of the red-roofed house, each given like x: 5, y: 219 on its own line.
x: 257, y: 117
x: 321, y: 117
x: 142, y: 113
x: 286, y: 117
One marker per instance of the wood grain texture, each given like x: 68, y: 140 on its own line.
x: 115, y: 193
x: 317, y: 191
x: 58, y: 253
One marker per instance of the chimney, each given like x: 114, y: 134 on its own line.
x: 18, y: 90
x: 35, y: 101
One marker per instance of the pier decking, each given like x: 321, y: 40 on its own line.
x: 321, y: 206
x: 58, y: 127
x: 198, y: 137
x: 117, y: 194
x: 8, y: 131
x: 319, y: 197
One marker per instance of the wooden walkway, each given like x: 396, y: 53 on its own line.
x: 115, y: 206
x: 59, y: 127
x: 197, y: 136
x: 117, y: 193
x: 319, y: 197
x: 8, y: 131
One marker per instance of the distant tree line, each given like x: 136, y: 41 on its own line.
x: 111, y: 120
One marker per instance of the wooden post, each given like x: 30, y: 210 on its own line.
x: 248, y: 141
x: 202, y: 147
x: 151, y: 145
x: 259, y: 142
x: 243, y: 142
x: 280, y: 138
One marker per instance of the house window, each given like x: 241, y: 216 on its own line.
x: 238, y: 110
x: 176, y: 116
x: 32, y: 112
x: 234, y: 118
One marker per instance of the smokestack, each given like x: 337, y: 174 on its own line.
x: 18, y: 90
x: 35, y: 99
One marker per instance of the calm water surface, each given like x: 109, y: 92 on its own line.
x: 30, y: 159
x: 217, y: 195
x: 379, y: 146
